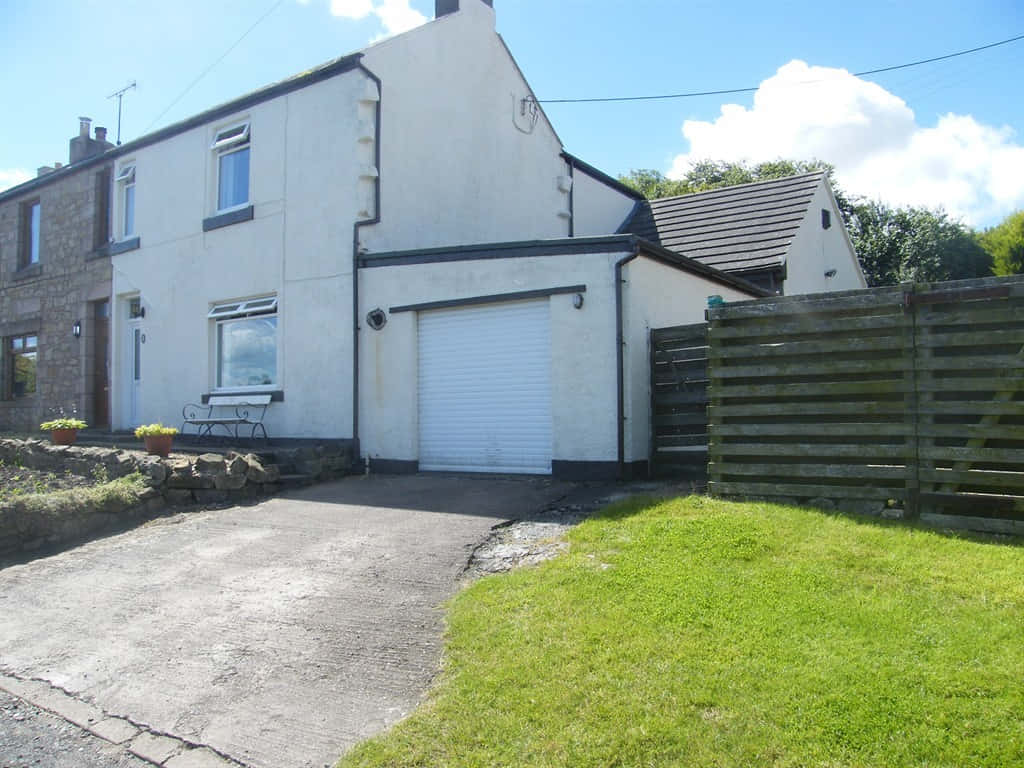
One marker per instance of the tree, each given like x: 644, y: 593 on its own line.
x: 914, y: 245
x: 1005, y: 244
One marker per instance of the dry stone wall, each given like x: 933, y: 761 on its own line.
x: 211, y: 478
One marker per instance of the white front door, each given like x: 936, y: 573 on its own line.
x: 485, y: 388
x: 134, y: 372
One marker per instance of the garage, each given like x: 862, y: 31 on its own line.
x: 485, y: 388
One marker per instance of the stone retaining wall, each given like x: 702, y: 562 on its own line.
x: 209, y: 478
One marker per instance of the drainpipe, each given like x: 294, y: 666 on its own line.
x: 572, y: 198
x: 620, y: 342
x: 355, y: 259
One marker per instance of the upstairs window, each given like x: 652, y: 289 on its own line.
x: 21, y: 359
x: 231, y: 146
x: 30, y: 221
x: 126, y: 191
x: 246, y: 343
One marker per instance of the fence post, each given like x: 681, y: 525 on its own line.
x: 911, y: 504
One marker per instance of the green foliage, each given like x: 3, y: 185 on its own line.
x: 1005, y: 243
x: 914, y: 244
x: 148, y: 430
x: 697, y: 632
x: 62, y: 423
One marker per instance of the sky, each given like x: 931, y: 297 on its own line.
x: 944, y: 135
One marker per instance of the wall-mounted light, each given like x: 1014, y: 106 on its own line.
x: 76, y: 329
x: 830, y: 273
x: 136, y: 310
x: 577, y: 300
x: 376, y: 318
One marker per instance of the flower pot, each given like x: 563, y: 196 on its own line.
x: 159, y: 445
x: 63, y: 436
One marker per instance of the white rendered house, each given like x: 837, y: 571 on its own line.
x: 396, y: 247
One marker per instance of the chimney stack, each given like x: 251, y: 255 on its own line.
x: 444, y: 7
x: 83, y: 146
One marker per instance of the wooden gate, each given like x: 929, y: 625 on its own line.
x: 679, y: 398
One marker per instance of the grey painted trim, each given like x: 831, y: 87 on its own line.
x: 599, y: 175
x: 227, y: 219
x: 123, y: 246
x: 394, y: 466
x: 506, y: 250
x: 21, y: 327
x: 276, y: 395
x: 579, y: 471
x: 495, y: 298
x: 26, y: 273
x: 332, y: 68
x: 103, y: 252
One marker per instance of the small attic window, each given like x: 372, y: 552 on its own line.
x: 234, y: 134
x: 826, y: 218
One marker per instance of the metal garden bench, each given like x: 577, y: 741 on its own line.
x: 230, y: 412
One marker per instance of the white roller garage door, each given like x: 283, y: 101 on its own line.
x: 485, y: 388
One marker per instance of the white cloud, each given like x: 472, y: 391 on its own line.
x: 12, y: 177
x: 874, y: 141
x: 396, y: 16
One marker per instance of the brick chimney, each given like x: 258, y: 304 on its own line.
x: 444, y: 7
x: 82, y: 146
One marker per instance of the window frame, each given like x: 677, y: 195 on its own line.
x: 231, y: 139
x: 126, y: 182
x: 10, y: 356
x: 227, y: 312
x: 30, y: 245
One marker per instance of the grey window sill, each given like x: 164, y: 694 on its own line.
x: 123, y: 246
x: 26, y: 273
x: 227, y: 219
x: 276, y: 395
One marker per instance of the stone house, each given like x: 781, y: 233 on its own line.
x: 55, y: 289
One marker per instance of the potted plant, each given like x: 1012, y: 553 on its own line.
x: 63, y: 431
x: 157, y: 437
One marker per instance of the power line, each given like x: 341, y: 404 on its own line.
x: 726, y: 91
x: 206, y: 71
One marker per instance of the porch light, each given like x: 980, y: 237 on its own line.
x: 76, y: 329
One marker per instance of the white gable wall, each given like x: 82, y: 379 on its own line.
x: 460, y: 163
x: 597, y: 208
x: 814, y: 251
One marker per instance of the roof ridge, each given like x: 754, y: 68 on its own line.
x: 733, y: 187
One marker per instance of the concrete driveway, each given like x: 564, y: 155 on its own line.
x: 273, y: 635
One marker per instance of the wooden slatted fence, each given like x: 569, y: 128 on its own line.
x: 679, y: 382
x: 904, y: 398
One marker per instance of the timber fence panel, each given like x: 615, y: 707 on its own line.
x: 679, y: 433
x: 908, y: 396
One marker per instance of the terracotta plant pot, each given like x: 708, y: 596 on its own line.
x: 159, y: 445
x: 63, y: 436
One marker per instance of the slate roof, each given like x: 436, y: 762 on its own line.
x: 746, y: 228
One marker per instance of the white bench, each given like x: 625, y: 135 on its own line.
x: 230, y: 412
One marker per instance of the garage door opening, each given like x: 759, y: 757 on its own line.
x: 485, y: 388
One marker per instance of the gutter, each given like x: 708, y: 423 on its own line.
x: 356, y: 227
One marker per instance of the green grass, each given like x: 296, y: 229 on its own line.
x: 697, y: 632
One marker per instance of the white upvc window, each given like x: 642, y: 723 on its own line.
x: 126, y: 194
x: 246, y: 343
x: 231, y: 146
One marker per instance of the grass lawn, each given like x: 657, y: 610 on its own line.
x: 697, y: 632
